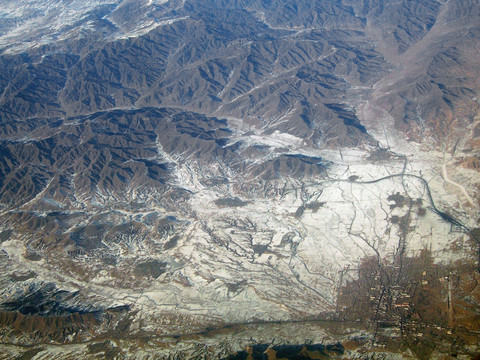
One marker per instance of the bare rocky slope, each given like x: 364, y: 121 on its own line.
x: 219, y: 179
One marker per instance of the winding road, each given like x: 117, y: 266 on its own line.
x: 462, y: 189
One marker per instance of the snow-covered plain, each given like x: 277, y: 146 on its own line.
x: 246, y: 250
x: 275, y: 256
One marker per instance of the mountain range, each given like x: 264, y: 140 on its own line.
x: 234, y: 178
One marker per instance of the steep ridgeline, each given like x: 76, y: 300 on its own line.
x: 177, y: 177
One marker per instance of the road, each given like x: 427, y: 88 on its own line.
x: 462, y: 189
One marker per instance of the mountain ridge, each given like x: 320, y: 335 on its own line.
x: 201, y: 167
